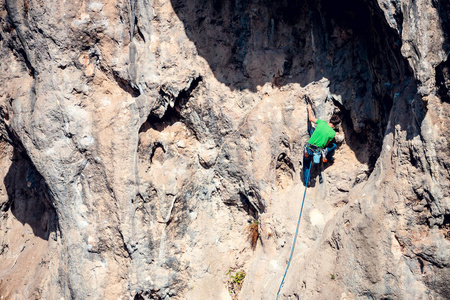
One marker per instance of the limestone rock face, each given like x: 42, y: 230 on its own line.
x: 140, y: 140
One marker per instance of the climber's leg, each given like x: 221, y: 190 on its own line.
x: 307, y: 166
x: 331, y: 150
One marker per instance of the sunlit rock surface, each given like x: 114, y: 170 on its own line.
x: 139, y: 141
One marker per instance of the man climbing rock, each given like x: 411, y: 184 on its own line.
x: 319, y: 142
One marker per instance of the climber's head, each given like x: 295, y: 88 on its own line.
x: 335, y: 120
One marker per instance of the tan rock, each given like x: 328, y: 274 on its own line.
x: 139, y: 140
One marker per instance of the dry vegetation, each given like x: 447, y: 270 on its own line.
x: 253, y: 229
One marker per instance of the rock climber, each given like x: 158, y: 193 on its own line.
x: 319, y: 143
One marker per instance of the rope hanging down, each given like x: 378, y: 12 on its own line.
x: 296, y: 230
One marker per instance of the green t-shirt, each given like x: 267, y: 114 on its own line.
x: 322, y: 134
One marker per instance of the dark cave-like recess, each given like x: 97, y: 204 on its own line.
x: 349, y: 42
x: 29, y: 197
x: 443, y: 80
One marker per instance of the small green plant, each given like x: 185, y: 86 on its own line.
x: 333, y: 277
x: 235, y: 283
x: 238, y: 277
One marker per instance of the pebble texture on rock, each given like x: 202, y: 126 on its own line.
x: 140, y: 139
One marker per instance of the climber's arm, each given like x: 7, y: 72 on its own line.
x: 310, y: 114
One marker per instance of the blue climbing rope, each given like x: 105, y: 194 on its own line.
x: 307, y: 178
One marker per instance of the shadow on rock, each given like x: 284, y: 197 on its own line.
x: 250, y: 43
x: 443, y: 8
x: 29, y: 197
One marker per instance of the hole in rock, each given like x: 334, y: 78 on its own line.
x: 152, y: 294
x: 446, y: 226
x: 172, y: 114
x: 446, y: 220
x: 158, y: 152
x: 443, y: 80
x: 421, y: 264
x: 247, y: 206
x: 284, y: 170
x: 138, y: 297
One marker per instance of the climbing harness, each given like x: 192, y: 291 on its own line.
x: 318, y: 155
x: 316, y: 152
x: 296, y: 230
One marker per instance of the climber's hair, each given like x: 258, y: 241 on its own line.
x: 335, y: 120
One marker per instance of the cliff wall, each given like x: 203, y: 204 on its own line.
x: 141, y: 139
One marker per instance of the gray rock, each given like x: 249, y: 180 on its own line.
x: 139, y: 141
